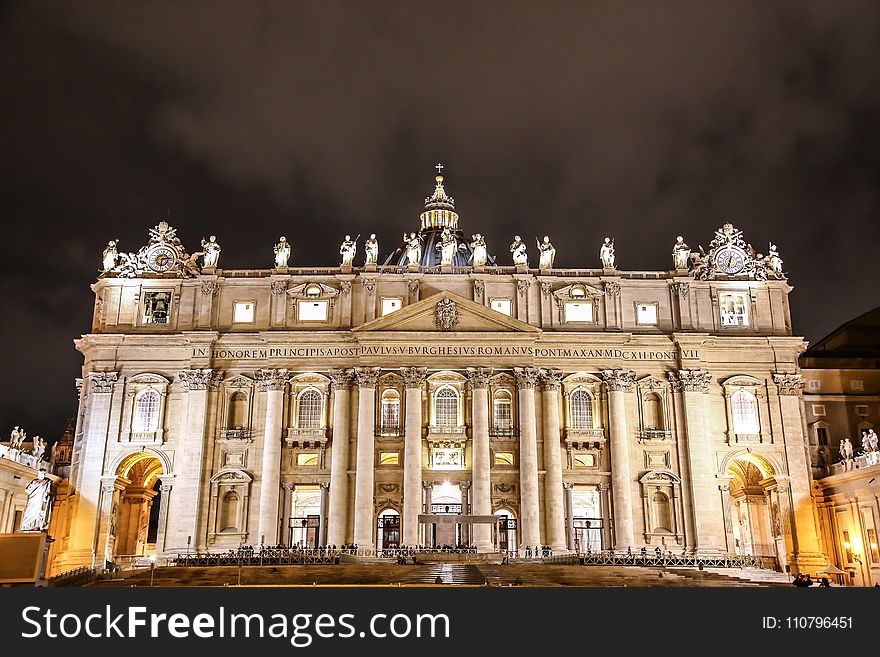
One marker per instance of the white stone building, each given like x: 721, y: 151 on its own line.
x: 433, y: 401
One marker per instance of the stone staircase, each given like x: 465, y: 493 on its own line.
x: 454, y: 574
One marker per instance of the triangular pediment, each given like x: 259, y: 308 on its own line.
x: 467, y: 316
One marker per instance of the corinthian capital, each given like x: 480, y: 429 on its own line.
x: 690, y: 380
x: 206, y: 379
x: 413, y: 377
x: 551, y: 379
x: 789, y: 384
x: 272, y: 379
x: 101, y: 383
x: 526, y: 377
x: 340, y: 378
x: 619, y: 380
x: 479, y: 376
x: 367, y: 377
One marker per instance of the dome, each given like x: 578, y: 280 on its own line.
x: 439, y: 214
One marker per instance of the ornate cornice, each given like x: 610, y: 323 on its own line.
x: 479, y: 377
x: 272, y: 379
x: 101, y: 383
x: 413, y: 377
x: 526, y: 377
x: 205, y: 379
x: 789, y: 384
x: 619, y: 380
x: 690, y: 380
x: 340, y: 378
x: 367, y: 377
x: 551, y: 379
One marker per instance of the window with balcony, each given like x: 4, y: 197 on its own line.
x: 310, y: 410
x: 446, y: 407
x: 734, y: 307
x: 390, y: 420
x: 502, y: 415
x: 581, y: 407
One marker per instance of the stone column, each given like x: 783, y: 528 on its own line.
x: 481, y: 480
x: 620, y: 382
x: 554, y: 508
x: 428, y: 487
x: 81, y: 547
x: 569, y: 520
x: 322, y: 529
x: 699, y: 468
x: 605, y: 512
x: 337, y: 531
x: 286, y: 509
x: 367, y: 378
x: 165, y: 488
x: 807, y: 554
x: 185, y: 519
x: 530, y: 529
x: 273, y: 383
x: 465, y: 529
x: 414, y: 379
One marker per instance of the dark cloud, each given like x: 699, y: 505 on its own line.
x: 644, y: 120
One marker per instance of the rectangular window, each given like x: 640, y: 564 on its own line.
x: 501, y: 305
x: 822, y: 435
x: 16, y: 520
x: 504, y: 458
x: 646, y: 314
x: 390, y: 304
x: 818, y: 410
x: 389, y: 458
x: 584, y: 461
x: 156, y: 307
x: 243, y: 312
x: 307, y: 458
x: 312, y: 311
x: 857, y: 385
x: 734, y: 308
x: 578, y: 311
x: 847, y: 546
x: 862, y: 410
x: 812, y: 384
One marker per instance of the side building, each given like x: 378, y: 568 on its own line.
x: 442, y: 399
x: 842, y: 403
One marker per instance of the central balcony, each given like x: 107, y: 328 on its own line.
x: 585, y: 438
x: 311, y: 437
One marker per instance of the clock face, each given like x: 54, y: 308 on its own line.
x: 161, y: 258
x: 730, y: 260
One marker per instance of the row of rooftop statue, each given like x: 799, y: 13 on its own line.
x: 18, y: 437
x: 449, y: 244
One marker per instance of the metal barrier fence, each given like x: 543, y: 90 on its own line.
x: 663, y: 560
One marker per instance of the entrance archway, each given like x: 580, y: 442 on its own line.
x: 756, y: 508
x: 446, y: 499
x: 136, y: 514
x: 305, y: 517
x: 505, y: 531
x: 388, y: 530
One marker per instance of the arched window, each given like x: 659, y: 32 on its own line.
x: 446, y: 407
x: 581, y: 410
x: 744, y: 408
x: 229, y: 512
x: 390, y: 410
x: 310, y: 413
x: 237, y: 415
x: 502, y: 418
x: 146, y: 412
x: 662, y: 513
x: 653, y: 409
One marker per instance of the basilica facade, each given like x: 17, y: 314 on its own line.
x: 441, y: 398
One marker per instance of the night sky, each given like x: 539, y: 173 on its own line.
x: 637, y: 120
